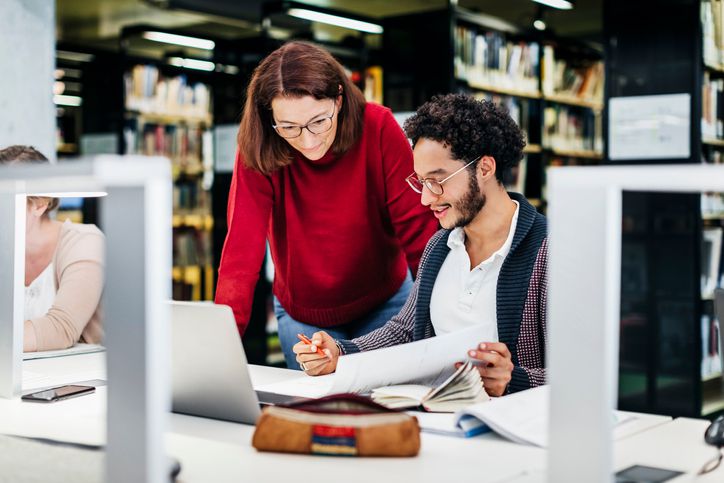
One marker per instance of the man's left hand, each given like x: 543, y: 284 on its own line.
x: 495, y: 364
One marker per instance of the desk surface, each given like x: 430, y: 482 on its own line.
x: 218, y: 451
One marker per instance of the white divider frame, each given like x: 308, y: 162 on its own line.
x: 584, y: 212
x: 136, y: 219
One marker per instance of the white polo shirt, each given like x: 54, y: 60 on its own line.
x: 462, y: 297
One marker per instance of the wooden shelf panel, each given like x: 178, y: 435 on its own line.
x: 713, y: 142
x: 493, y: 89
x: 712, y: 396
x: 200, y: 221
x: 719, y: 69
x: 168, y: 118
x: 571, y: 153
x: 574, y: 101
x: 67, y: 148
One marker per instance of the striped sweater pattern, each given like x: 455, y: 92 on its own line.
x: 521, y: 297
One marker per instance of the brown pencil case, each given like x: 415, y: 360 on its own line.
x: 339, y: 425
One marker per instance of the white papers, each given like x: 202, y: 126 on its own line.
x: 428, y: 360
x: 302, y: 386
x: 79, y: 348
x: 78, y: 420
x: 522, y: 417
x: 445, y: 424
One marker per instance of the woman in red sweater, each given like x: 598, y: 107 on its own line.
x: 321, y: 174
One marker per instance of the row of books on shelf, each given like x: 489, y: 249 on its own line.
x: 711, y: 277
x: 191, y: 247
x: 712, y: 24
x: 373, y: 84
x: 488, y: 59
x: 189, y: 195
x: 181, y: 142
x: 711, y: 361
x: 147, y: 91
x: 712, y: 109
x: 712, y: 205
x: 581, y: 80
x: 712, y: 156
x: 516, y: 177
x: 572, y: 129
x: 194, y: 282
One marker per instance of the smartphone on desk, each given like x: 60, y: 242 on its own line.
x: 58, y: 393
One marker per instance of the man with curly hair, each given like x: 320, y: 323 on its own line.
x: 486, y: 266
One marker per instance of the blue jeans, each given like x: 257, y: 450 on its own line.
x: 289, y: 328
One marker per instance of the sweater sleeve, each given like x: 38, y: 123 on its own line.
x: 79, y: 270
x: 533, y: 339
x: 412, y: 222
x: 249, y: 210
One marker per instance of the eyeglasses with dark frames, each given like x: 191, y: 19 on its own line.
x: 318, y: 126
x: 433, y: 185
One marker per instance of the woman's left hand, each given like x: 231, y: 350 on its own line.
x: 495, y: 364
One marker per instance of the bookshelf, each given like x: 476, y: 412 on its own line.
x: 167, y: 114
x: 552, y: 87
x: 67, y: 96
x: 670, y: 359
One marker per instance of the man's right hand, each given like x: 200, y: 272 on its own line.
x: 313, y: 363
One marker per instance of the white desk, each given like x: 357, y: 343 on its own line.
x: 218, y: 451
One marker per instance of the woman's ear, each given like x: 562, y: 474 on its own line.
x: 37, y: 207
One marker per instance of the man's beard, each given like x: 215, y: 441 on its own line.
x: 470, y: 204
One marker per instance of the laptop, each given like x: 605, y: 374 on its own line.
x: 210, y: 377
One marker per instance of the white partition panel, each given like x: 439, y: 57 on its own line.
x: 584, y: 213
x: 12, y: 277
x: 136, y: 219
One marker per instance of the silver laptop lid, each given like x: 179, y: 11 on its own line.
x: 210, y: 377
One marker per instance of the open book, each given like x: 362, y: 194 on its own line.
x: 458, y: 391
x: 522, y: 417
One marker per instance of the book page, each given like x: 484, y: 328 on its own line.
x: 420, y: 361
x: 522, y: 417
x: 424, y: 360
x: 414, y: 392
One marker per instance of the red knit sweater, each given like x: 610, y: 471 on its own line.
x: 342, y: 230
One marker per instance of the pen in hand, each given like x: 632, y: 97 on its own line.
x: 306, y: 340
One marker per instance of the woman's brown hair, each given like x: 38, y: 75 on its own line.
x: 27, y: 154
x: 296, y: 69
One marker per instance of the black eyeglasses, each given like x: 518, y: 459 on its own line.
x: 433, y: 185
x: 318, y: 126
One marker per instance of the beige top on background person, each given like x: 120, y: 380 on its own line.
x: 78, y: 262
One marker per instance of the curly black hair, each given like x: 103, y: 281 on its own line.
x: 471, y: 128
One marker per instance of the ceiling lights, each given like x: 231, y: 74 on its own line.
x: 337, y: 20
x: 559, y: 4
x: 182, y: 40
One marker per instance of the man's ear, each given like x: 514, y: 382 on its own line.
x: 487, y: 167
